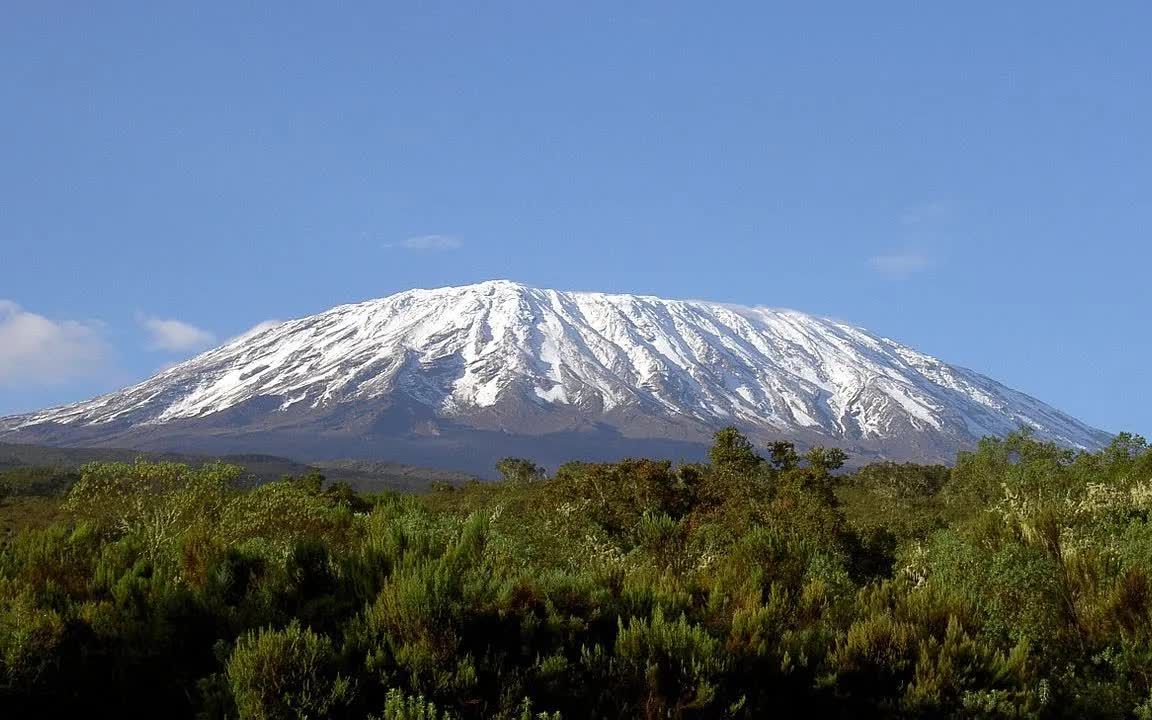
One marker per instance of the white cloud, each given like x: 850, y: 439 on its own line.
x: 900, y: 264
x: 37, y: 350
x: 175, y: 335
x: 427, y: 242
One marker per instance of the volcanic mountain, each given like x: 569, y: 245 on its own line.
x: 460, y: 376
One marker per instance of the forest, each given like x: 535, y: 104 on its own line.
x: 767, y: 582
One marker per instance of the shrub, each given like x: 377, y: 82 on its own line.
x: 289, y: 673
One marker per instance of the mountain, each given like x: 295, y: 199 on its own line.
x: 459, y: 376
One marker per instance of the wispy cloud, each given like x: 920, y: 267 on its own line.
x: 261, y: 327
x: 902, y: 264
x: 175, y: 335
x: 37, y: 350
x: 920, y: 214
x: 920, y: 235
x: 255, y: 330
x: 427, y: 242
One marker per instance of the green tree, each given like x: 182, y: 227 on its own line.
x: 519, y: 470
x: 782, y: 455
x: 732, y: 452
x: 826, y: 460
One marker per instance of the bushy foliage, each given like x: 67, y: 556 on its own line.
x: 769, y: 581
x: 287, y: 673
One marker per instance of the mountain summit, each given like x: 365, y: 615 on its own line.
x: 458, y: 376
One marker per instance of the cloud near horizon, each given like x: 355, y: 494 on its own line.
x: 900, y: 264
x: 427, y: 242
x: 175, y: 335
x: 37, y: 350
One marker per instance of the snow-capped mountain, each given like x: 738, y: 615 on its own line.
x: 475, y: 370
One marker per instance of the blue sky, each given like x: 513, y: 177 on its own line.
x: 972, y: 180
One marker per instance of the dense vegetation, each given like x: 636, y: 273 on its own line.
x: 1016, y: 584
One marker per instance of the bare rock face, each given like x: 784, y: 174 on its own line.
x: 458, y: 376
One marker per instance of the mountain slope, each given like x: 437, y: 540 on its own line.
x: 456, y: 369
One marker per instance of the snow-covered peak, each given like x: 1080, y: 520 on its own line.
x: 627, y: 361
